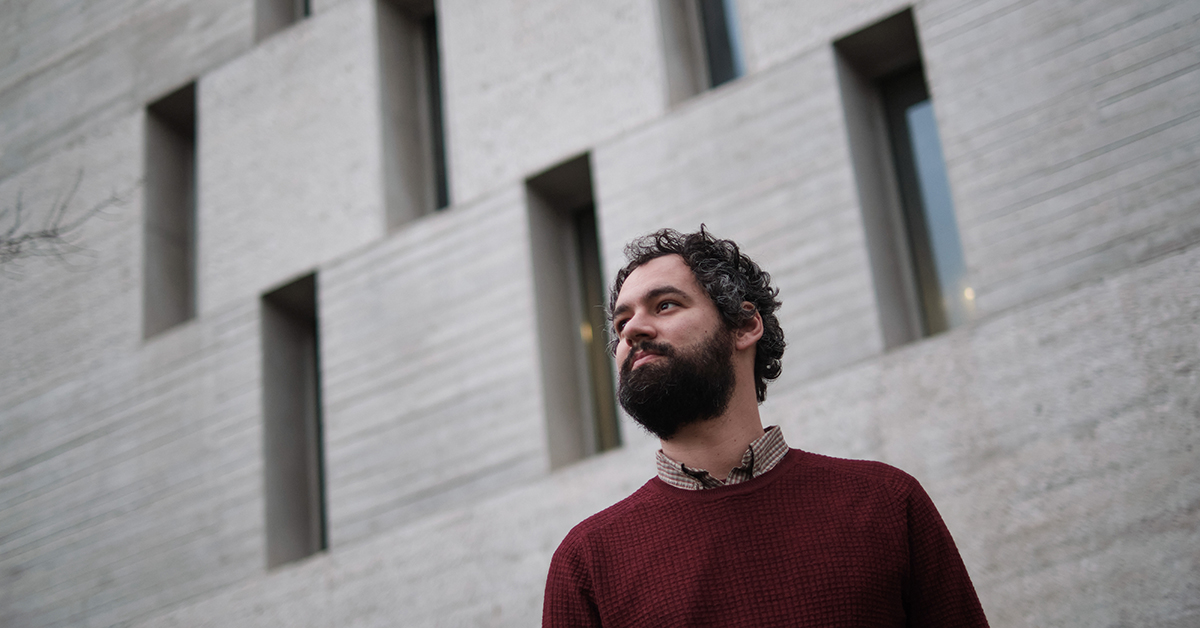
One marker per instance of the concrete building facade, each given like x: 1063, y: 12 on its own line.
x: 449, y: 446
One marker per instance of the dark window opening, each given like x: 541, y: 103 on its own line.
x: 272, y: 16
x: 577, y: 371
x: 702, y: 45
x: 433, y: 97
x: 416, y: 174
x: 169, y: 218
x: 722, y: 51
x: 293, y: 455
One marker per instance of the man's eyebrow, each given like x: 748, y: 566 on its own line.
x: 658, y: 292
x: 653, y: 294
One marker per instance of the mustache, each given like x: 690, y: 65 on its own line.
x: 647, y: 346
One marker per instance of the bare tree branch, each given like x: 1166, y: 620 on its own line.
x: 54, y: 239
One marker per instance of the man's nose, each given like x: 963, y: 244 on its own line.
x: 638, y: 327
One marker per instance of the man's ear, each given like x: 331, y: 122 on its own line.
x: 747, y: 335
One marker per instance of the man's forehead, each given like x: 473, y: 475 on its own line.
x: 656, y: 275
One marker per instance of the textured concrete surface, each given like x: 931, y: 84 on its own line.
x: 66, y: 66
x: 1057, y: 432
x: 421, y: 363
x: 528, y: 84
x: 66, y: 315
x: 290, y: 171
x: 775, y: 31
x: 1070, y: 135
x: 137, y: 484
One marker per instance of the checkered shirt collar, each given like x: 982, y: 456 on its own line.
x: 761, y: 456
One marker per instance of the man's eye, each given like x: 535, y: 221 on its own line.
x: 666, y: 304
x: 619, y: 326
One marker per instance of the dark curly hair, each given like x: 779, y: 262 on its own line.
x: 729, y: 277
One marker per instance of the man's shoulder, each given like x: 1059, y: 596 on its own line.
x: 625, y: 511
x: 867, y: 473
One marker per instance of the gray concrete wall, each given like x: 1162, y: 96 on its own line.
x: 290, y: 168
x: 1070, y: 136
x: 429, y: 352
x: 69, y: 66
x: 774, y: 31
x: 65, y: 316
x: 137, y: 484
x: 1058, y: 441
x: 1057, y: 432
x: 529, y: 84
x: 1068, y: 127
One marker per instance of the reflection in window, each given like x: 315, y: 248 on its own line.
x: 593, y: 295
x: 927, y: 205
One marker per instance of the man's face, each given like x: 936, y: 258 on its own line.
x: 675, y: 352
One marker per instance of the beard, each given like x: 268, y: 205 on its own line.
x: 682, y: 388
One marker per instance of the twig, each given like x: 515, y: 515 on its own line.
x: 53, y: 239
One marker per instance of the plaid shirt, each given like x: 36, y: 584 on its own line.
x: 761, y: 456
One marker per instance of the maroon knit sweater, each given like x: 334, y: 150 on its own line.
x: 816, y: 541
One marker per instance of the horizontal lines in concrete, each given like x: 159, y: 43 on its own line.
x: 430, y: 359
x: 1066, y: 150
x: 130, y: 391
x: 1123, y: 204
x: 155, y: 474
x: 1071, y: 98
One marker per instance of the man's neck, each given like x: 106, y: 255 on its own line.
x: 717, y: 445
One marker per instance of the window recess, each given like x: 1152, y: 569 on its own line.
x: 577, y: 372
x: 416, y: 175
x: 908, y: 213
x: 272, y: 16
x: 701, y: 45
x: 169, y: 215
x: 293, y: 468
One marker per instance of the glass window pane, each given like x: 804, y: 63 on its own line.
x: 939, y: 211
x: 721, y: 41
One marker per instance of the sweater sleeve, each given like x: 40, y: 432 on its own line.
x: 938, y: 591
x: 570, y: 600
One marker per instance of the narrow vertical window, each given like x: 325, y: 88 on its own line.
x: 169, y: 218
x: 592, y: 296
x: 293, y: 474
x: 416, y: 176
x: 432, y: 61
x: 723, y: 54
x: 272, y: 16
x: 701, y: 44
x: 925, y: 197
x: 912, y: 235
x: 577, y: 372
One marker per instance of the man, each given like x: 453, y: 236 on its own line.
x: 737, y: 529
